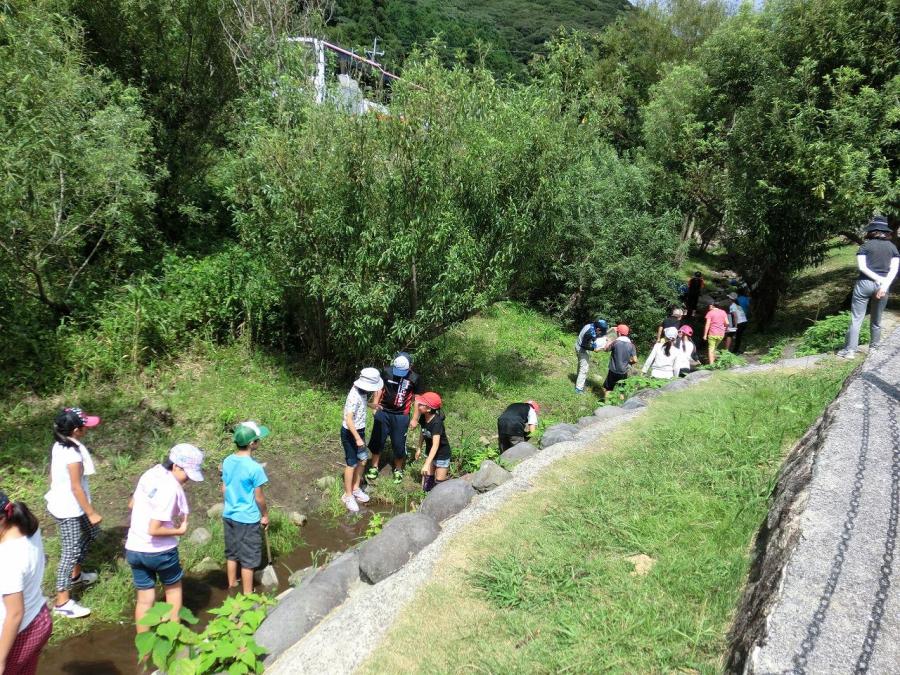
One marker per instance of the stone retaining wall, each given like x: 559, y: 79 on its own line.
x: 353, y: 605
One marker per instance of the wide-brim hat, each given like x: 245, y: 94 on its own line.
x: 369, y: 380
x: 878, y: 224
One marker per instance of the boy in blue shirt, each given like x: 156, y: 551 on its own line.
x: 245, y: 511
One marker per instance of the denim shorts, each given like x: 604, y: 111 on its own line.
x: 442, y: 463
x: 353, y: 454
x: 146, y: 567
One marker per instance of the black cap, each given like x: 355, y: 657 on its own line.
x: 878, y: 224
x: 67, y: 421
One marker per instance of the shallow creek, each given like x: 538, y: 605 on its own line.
x: 109, y: 649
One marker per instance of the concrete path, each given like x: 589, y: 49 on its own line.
x: 838, y: 606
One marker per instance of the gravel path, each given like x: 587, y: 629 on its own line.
x: 346, y: 638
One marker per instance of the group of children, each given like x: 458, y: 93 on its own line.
x: 159, y: 516
x: 674, y: 353
x: 392, y: 394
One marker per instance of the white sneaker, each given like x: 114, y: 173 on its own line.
x: 846, y: 354
x: 360, y: 496
x: 350, y: 503
x: 86, y: 578
x: 71, y: 610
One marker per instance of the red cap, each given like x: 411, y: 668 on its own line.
x: 431, y: 399
x: 622, y: 329
x: 687, y: 330
x: 534, y: 404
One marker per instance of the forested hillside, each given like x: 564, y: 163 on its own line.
x: 169, y: 180
x: 511, y: 32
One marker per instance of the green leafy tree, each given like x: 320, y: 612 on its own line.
x: 386, y: 230
x: 77, y: 180
x: 809, y: 95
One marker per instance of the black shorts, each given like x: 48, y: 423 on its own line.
x: 243, y: 542
x: 612, y: 379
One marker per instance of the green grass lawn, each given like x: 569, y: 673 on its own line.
x: 546, y: 584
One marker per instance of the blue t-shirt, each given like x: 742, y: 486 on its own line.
x: 241, y: 475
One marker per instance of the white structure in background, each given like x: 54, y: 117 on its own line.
x: 347, y: 94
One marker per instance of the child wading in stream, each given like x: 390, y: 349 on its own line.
x: 245, y: 511
x: 434, y: 438
x: 69, y: 502
x: 353, y: 435
x: 151, y: 548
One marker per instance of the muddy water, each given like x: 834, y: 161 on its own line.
x: 109, y: 650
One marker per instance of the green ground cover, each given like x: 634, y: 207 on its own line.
x: 547, y: 585
x: 508, y: 353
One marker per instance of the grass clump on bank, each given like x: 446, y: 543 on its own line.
x: 549, y: 587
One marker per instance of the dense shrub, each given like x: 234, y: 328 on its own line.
x: 828, y: 334
x: 215, y: 298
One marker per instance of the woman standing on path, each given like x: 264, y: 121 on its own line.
x: 151, y: 548
x: 877, y: 260
x: 25, y: 623
x: 69, y: 502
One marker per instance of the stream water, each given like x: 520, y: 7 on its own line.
x: 109, y: 650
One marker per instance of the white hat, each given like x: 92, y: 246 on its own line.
x: 671, y: 333
x: 369, y: 380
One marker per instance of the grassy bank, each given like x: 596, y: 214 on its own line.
x: 506, y: 354
x: 546, y: 585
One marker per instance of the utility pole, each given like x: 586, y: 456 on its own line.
x: 374, y: 53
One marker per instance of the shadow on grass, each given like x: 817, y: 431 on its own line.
x: 472, y: 362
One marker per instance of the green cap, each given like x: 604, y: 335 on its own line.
x: 247, y: 432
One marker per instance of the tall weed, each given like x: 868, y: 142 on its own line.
x: 828, y: 335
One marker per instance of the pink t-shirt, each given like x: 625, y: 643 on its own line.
x: 718, y: 319
x: 158, y: 496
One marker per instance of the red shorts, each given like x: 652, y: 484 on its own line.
x: 23, y: 656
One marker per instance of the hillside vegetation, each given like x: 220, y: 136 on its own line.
x: 511, y: 32
x: 169, y: 178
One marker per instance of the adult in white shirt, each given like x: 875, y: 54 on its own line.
x: 662, y: 360
x: 25, y: 623
x: 69, y: 502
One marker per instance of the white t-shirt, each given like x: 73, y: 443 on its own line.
x: 738, y: 311
x: 158, y: 496
x: 659, y: 364
x: 356, y: 405
x: 61, y: 502
x: 686, y: 353
x: 21, y: 572
x: 532, y: 416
